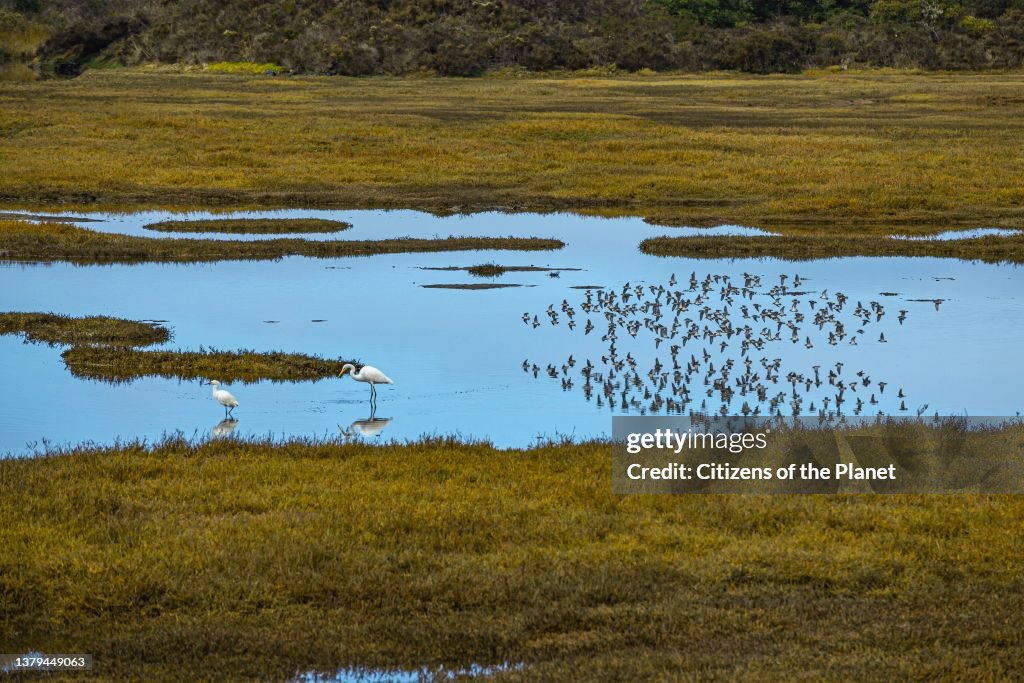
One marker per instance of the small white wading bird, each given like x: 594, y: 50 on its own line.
x: 224, y: 398
x: 368, y: 374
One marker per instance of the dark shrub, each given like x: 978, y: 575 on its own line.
x: 769, y: 51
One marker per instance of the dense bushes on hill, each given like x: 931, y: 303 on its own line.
x: 468, y: 37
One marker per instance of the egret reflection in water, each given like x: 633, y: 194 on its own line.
x: 371, y: 426
x: 225, y: 427
x: 368, y: 427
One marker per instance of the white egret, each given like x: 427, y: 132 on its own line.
x: 224, y: 398
x: 368, y: 374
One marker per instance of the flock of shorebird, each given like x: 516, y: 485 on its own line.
x: 722, y: 340
x: 721, y: 337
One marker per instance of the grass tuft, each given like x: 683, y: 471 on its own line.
x: 487, y: 270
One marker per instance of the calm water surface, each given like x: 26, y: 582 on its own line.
x: 457, y: 356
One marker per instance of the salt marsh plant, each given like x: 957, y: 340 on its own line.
x: 101, y: 350
x: 123, y: 365
x: 308, y: 555
x: 487, y: 270
x: 56, y: 329
x: 991, y: 248
x: 24, y: 241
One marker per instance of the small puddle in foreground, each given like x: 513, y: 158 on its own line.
x: 422, y: 675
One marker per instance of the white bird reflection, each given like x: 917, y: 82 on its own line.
x: 371, y: 426
x: 225, y: 427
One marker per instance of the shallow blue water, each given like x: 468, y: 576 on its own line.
x: 967, y: 234
x: 456, y: 356
x: 422, y: 675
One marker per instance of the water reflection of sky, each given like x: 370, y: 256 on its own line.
x: 422, y: 675
x: 456, y: 356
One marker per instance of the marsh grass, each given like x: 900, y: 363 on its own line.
x: 993, y: 249
x: 44, y: 242
x: 244, y: 560
x: 258, y: 226
x: 848, y: 153
x: 101, y: 350
x: 54, y: 329
x: 124, y: 365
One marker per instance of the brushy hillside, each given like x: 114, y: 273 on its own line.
x: 468, y: 37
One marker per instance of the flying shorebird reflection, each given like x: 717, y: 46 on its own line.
x: 225, y: 427
x: 371, y: 426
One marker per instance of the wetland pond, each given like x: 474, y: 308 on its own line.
x: 494, y: 363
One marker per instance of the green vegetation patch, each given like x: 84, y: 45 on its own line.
x: 244, y: 68
x: 62, y: 329
x: 260, y: 226
x: 123, y: 365
x: 992, y: 249
x: 276, y: 559
x: 43, y: 242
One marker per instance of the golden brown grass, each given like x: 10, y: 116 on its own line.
x: 236, y: 560
x: 100, y: 349
x: 853, y: 152
x: 994, y: 249
x: 23, y: 241
x: 53, y: 329
x: 123, y: 365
